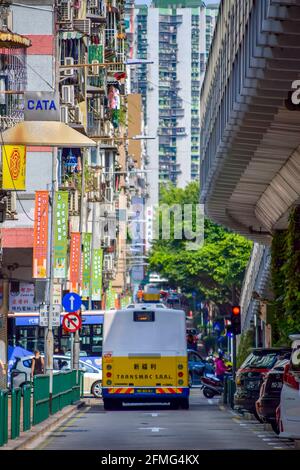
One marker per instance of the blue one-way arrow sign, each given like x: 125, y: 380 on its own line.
x: 71, y: 302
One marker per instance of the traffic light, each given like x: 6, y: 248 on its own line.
x: 235, y: 319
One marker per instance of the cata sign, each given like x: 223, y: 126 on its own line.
x: 41, y: 106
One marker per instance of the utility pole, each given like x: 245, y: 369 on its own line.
x: 234, y: 302
x: 76, y: 345
x: 92, y: 251
x: 49, y: 334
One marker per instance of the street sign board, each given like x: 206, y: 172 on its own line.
x: 56, y: 311
x: 71, y: 302
x: 43, y: 315
x: 72, y: 322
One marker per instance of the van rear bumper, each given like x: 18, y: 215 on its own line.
x: 137, y: 393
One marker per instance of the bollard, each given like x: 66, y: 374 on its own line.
x: 3, y: 417
x: 225, y: 392
x: 232, y: 391
x: 26, y: 407
x: 15, y: 412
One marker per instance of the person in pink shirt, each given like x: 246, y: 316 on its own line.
x: 220, y: 367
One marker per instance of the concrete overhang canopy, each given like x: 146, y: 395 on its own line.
x: 45, y: 133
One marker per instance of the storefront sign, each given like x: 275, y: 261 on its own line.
x: 41, y: 106
x: 23, y: 299
x: 61, y: 234
x: 97, y: 274
x: 40, y: 235
x: 14, y: 167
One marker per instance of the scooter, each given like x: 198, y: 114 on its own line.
x: 211, y: 386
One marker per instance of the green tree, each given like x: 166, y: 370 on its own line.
x: 211, y: 270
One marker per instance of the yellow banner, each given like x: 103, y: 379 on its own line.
x: 14, y: 167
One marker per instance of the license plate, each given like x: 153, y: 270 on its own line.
x: 145, y: 390
x: 276, y: 385
x: 252, y: 385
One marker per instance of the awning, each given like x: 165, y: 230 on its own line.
x: 70, y: 35
x: 12, y: 40
x: 45, y: 133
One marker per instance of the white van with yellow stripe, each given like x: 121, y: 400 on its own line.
x: 145, y: 357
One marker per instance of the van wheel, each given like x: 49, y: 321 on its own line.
x: 185, y: 403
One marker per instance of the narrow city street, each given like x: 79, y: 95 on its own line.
x: 206, y: 425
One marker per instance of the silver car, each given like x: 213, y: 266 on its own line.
x: 92, y: 382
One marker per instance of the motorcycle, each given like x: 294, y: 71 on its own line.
x: 211, y: 386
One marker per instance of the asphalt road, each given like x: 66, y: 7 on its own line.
x: 204, y: 426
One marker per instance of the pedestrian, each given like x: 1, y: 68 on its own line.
x: 191, y: 344
x: 37, y: 366
x: 2, y: 370
x: 220, y: 367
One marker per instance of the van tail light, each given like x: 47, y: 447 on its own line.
x: 289, y: 379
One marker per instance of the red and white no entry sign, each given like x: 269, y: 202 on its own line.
x: 72, y: 322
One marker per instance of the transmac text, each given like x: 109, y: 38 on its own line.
x: 143, y: 376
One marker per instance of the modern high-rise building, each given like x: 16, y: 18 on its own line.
x: 175, y: 36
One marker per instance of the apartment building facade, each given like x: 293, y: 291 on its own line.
x: 170, y: 85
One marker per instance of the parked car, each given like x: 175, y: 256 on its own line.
x: 197, y: 367
x: 289, y: 408
x: 269, y: 395
x: 92, y: 383
x: 252, y: 372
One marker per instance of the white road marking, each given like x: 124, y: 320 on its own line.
x: 210, y: 401
x: 243, y: 424
x: 152, y: 429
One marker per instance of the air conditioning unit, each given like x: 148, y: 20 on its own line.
x: 65, y: 11
x: 108, y: 262
x: 69, y: 61
x: 78, y: 115
x: 64, y: 114
x: 109, y: 194
x: 67, y: 92
x: 94, y: 3
x: 106, y: 241
x: 84, y: 26
x: 11, y: 203
x: 74, y: 203
x: 95, y: 69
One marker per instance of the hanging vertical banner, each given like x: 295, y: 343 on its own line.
x: 108, y: 297
x: 75, y: 261
x: 60, y: 234
x: 40, y: 235
x: 97, y: 274
x: 111, y: 296
x: 86, y: 268
x: 14, y: 167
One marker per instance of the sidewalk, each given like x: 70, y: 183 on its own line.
x: 49, y: 424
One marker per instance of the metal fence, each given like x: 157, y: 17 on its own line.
x: 32, y: 404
